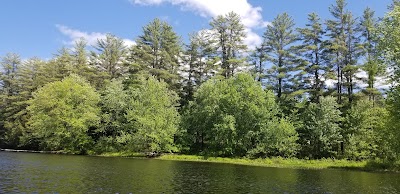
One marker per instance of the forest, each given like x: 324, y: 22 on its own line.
x: 311, y: 92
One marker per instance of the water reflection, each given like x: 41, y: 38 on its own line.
x: 41, y: 173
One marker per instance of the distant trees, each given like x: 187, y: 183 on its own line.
x: 111, y: 57
x: 313, y: 91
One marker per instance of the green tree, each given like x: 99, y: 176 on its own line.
x: 389, y: 46
x: 111, y: 56
x: 278, y: 40
x: 313, y: 48
x: 200, y: 65
x: 393, y: 134
x: 320, y: 134
x: 152, y: 117
x: 235, y: 117
x: 364, y: 131
x: 114, y: 103
x: 82, y: 66
x: 389, y: 41
x: 258, y: 58
x: 157, y: 52
x: 62, y: 113
x: 9, y: 90
x: 344, y: 47
x: 229, y: 33
x: 373, y: 66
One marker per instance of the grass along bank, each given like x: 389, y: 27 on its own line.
x: 277, y: 162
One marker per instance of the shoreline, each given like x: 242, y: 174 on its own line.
x: 33, y: 151
x: 274, y: 162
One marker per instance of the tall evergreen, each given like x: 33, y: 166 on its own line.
x: 372, y: 65
x: 230, y: 33
x: 279, y: 39
x: 198, y: 62
x: 157, y: 52
x: 111, y: 56
x: 313, y: 48
x: 337, y: 42
x: 9, y: 94
x: 258, y: 58
x: 343, y: 43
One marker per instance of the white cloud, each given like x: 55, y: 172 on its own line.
x: 250, y: 15
x: 91, y: 37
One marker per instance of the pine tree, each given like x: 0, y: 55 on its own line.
x: 157, y: 52
x: 258, y: 58
x: 111, y: 57
x: 373, y: 66
x: 278, y: 40
x: 82, y: 66
x: 343, y: 44
x: 198, y: 62
x: 337, y: 42
x: 313, y: 48
x: 10, y: 65
x: 230, y: 33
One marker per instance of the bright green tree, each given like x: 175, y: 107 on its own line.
x: 320, y: 134
x: 152, y: 117
x: 62, y: 113
x: 235, y: 117
x: 364, y: 131
x: 389, y: 41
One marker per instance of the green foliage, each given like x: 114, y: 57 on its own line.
x: 389, y: 44
x: 111, y: 57
x: 313, y: 48
x: 62, y: 113
x: 152, y: 117
x: 157, y: 51
x: 320, y: 134
x: 364, y: 128
x: 392, y: 134
x: 114, y: 103
x: 229, y: 33
x: 235, y: 117
x: 46, y: 104
x: 278, y: 40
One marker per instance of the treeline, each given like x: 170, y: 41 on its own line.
x: 214, y: 96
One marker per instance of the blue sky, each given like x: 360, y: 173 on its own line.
x: 41, y: 27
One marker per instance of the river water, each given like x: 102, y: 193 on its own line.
x: 48, y: 173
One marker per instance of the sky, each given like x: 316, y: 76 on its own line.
x: 39, y: 28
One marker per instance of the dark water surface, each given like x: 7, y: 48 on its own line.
x: 46, y: 173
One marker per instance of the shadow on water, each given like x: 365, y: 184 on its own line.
x: 374, y: 166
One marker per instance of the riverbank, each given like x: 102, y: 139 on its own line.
x: 277, y: 162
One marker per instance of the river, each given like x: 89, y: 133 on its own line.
x: 50, y: 173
